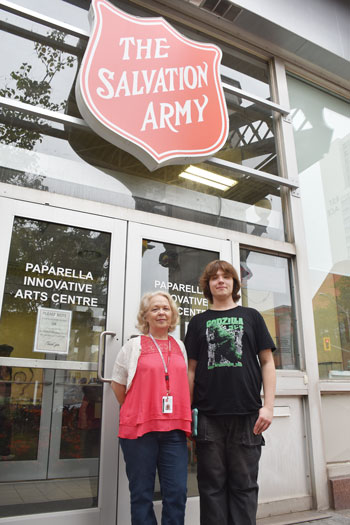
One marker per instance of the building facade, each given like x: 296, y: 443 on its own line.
x: 86, y: 228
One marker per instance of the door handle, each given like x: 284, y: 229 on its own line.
x: 101, y: 356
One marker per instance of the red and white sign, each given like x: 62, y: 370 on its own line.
x: 151, y: 91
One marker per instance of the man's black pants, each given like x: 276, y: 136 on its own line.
x: 228, y: 456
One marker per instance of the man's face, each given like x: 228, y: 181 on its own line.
x: 221, y: 285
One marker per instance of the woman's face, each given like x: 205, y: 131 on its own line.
x: 158, y: 314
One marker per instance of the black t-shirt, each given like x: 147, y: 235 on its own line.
x: 226, y: 344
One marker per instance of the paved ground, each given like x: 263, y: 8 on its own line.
x: 329, y: 517
x: 340, y: 517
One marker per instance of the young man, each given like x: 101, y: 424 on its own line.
x: 230, y: 355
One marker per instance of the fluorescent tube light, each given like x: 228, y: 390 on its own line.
x: 211, y: 183
x: 207, y: 177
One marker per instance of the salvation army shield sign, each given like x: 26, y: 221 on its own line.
x: 151, y: 91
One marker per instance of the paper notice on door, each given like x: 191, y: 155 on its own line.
x: 52, y: 331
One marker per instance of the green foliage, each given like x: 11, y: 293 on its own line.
x: 29, y: 90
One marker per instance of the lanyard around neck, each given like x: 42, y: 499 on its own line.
x: 165, y: 365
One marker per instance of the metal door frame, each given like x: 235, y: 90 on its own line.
x: 136, y: 232
x: 67, y: 468
x: 109, y: 454
x: 290, y: 382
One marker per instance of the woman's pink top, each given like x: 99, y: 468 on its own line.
x: 141, y: 411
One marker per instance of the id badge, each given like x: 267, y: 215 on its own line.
x: 167, y: 404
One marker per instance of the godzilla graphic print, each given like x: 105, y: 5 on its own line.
x: 224, y: 337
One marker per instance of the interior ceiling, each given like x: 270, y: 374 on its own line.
x: 99, y: 152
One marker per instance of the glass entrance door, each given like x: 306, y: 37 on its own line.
x: 62, y: 283
x: 58, y: 450
x: 75, y: 426
x: 172, y: 261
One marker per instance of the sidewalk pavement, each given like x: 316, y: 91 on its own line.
x: 339, y: 517
x: 328, y: 517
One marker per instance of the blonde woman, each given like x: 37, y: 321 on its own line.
x: 150, y: 383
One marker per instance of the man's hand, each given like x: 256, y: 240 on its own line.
x: 269, y: 385
x: 264, y: 420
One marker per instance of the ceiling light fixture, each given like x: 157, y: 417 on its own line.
x: 208, y: 178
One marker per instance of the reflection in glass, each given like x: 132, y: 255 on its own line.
x: 56, y: 267
x: 71, y: 12
x: 251, y: 140
x: 50, y: 426
x: 20, y: 411
x: 56, y: 158
x: 50, y: 420
x: 323, y: 120
x: 81, y: 416
x: 38, y: 66
x: 332, y: 324
x: 266, y: 287
x: 176, y: 269
x: 35, y: 152
x: 250, y: 206
x: 244, y: 70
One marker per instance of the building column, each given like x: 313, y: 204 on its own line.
x: 307, y: 339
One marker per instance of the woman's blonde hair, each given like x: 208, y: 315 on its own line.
x: 142, y: 324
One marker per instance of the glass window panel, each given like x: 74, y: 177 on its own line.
x: 251, y: 138
x: 266, y: 286
x: 176, y: 269
x: 241, y: 69
x: 238, y: 68
x: 60, y: 158
x: 44, y: 76
x: 246, y: 72
x: 38, y: 65
x: 73, y: 12
x: 57, y: 267
x: 20, y: 410
x: 323, y: 121
x: 81, y: 412
x: 50, y: 423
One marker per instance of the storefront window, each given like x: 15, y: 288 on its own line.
x: 53, y: 312
x: 251, y: 140
x: 50, y: 423
x: 39, y: 68
x: 38, y: 65
x: 239, y: 69
x: 176, y: 269
x: 55, y: 268
x: 321, y: 125
x: 266, y: 286
x: 38, y: 154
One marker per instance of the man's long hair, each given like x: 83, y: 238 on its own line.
x: 212, y: 269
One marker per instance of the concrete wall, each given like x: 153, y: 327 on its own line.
x: 336, y: 432
x: 324, y: 22
x: 336, y: 427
